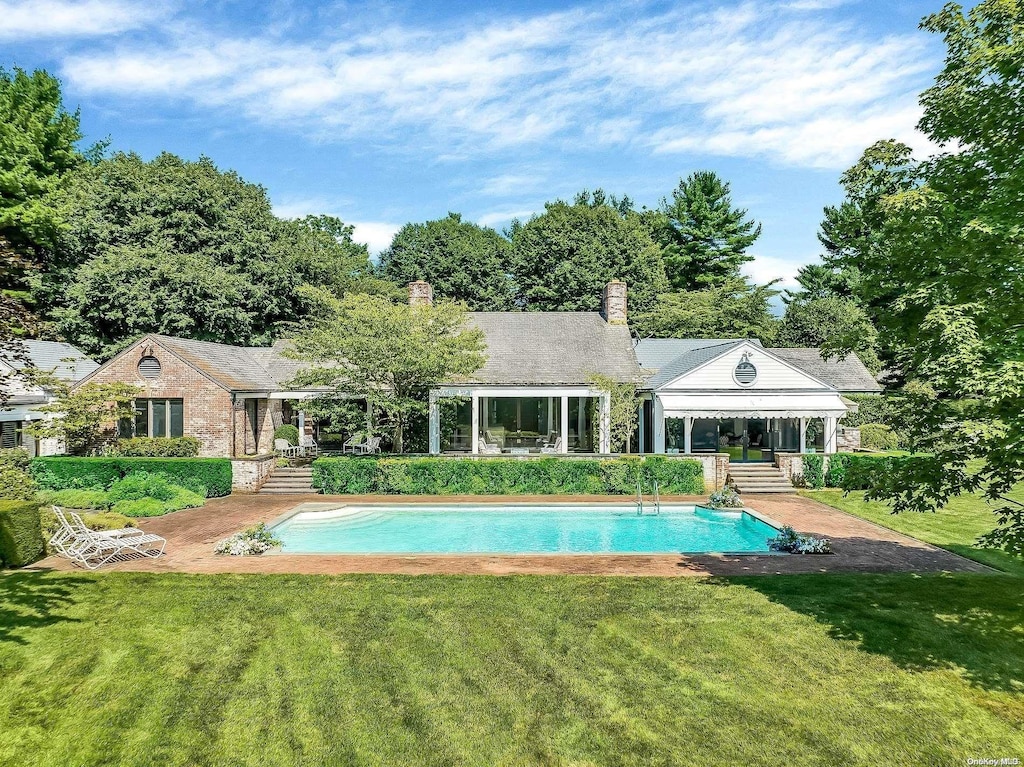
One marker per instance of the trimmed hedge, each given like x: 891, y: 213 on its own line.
x: 814, y: 472
x: 505, y: 476
x: 67, y: 472
x: 878, y: 436
x: 21, y: 534
x: 287, y: 432
x: 158, y: 447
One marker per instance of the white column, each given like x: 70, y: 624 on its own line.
x: 565, y: 423
x: 551, y: 416
x: 659, y: 425
x: 606, y: 423
x: 476, y: 424
x: 688, y: 435
x: 435, y: 424
x: 830, y: 434
x: 302, y: 424
x: 803, y: 436
x: 641, y: 429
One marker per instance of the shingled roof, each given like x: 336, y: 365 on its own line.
x: 66, y: 362
x: 236, y: 368
x: 847, y: 374
x: 526, y: 348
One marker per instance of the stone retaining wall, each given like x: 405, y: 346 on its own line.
x: 249, y: 474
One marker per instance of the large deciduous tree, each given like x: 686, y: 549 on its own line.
x: 179, y: 247
x: 704, y: 238
x: 943, y: 271
x: 822, y: 321
x: 563, y: 258
x: 388, y: 352
x: 38, y: 138
x: 735, y: 309
x: 461, y: 260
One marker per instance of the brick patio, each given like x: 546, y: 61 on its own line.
x: 859, y: 546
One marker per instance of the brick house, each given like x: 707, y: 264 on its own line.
x: 231, y: 398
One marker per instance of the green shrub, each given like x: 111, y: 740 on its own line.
x: 288, y: 432
x: 836, y: 473
x: 878, y: 436
x: 65, y: 472
x: 505, y: 476
x: 141, y: 484
x: 871, y: 408
x: 813, y: 472
x: 15, y: 481
x: 140, y: 507
x: 76, y: 499
x: 158, y: 447
x: 21, y: 534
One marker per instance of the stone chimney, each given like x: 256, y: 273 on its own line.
x: 420, y: 292
x: 613, y: 303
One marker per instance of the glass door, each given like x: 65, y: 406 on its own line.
x: 757, y: 440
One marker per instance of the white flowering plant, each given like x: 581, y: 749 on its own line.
x: 726, y: 498
x: 254, y: 540
x: 789, y: 540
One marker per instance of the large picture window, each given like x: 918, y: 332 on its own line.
x: 156, y: 418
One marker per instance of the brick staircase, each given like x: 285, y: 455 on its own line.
x: 289, y: 481
x: 759, y: 478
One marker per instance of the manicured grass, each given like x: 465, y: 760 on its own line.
x: 956, y: 527
x: 136, y: 669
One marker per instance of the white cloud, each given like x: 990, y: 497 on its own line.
x: 494, y: 218
x: 764, y: 269
x: 376, y: 235
x: 800, y: 89
x: 25, y: 19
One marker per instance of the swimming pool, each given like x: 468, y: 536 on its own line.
x: 521, y: 529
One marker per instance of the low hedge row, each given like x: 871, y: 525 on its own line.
x: 72, y: 473
x: 21, y: 535
x: 505, y: 476
x: 850, y: 471
x: 157, y: 447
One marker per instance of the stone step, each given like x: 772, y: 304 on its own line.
x: 767, y: 490
x: 293, y: 472
x: 286, y: 490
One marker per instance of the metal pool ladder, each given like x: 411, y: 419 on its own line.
x: 640, y: 498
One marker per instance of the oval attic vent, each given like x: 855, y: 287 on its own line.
x: 149, y: 367
x: 745, y: 372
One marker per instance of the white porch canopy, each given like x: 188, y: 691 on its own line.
x: 753, y: 405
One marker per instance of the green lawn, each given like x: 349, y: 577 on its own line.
x: 133, y: 669
x: 955, y: 527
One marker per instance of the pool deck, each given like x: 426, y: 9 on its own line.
x: 859, y: 546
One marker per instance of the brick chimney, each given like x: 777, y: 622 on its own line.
x: 420, y: 292
x: 613, y: 303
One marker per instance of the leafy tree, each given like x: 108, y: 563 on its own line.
x: 704, y: 239
x: 820, y: 321
x: 37, y: 151
x: 562, y: 259
x: 179, y: 247
x: 943, y: 271
x: 386, y: 352
x: 733, y: 310
x: 84, y: 418
x: 462, y: 261
x: 624, y: 413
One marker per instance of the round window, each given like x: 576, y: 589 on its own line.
x: 149, y: 367
x: 745, y: 373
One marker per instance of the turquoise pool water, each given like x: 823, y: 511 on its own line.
x: 521, y: 529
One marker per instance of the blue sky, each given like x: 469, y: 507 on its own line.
x: 383, y: 113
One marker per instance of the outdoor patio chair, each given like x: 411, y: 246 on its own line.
x: 287, y: 450
x: 92, y: 549
x: 353, y: 444
x: 554, y: 447
x: 371, y: 446
x: 308, y: 447
x: 490, y: 448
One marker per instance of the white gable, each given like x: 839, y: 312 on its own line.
x: 773, y: 374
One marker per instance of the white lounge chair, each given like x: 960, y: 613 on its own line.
x: 92, y: 548
x: 371, y: 446
x: 308, y: 447
x: 353, y: 444
x: 553, y: 447
x: 490, y: 448
x: 286, y: 449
